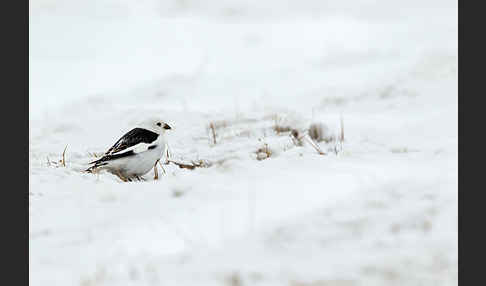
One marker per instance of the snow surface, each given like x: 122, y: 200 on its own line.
x: 382, y: 210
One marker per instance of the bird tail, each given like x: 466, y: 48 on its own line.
x: 90, y: 169
x: 96, y: 165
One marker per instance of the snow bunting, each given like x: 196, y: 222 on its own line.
x: 136, y: 152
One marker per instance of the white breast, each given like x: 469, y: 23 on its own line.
x: 140, y: 163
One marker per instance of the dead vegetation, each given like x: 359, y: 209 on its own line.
x: 96, y: 154
x: 193, y: 165
x: 263, y: 152
x: 298, y: 139
x: 279, y: 127
x: 61, y: 162
x: 212, y: 129
x: 319, y: 132
x: 315, y: 146
x: 216, y: 133
x: 156, y: 170
x: 213, y: 132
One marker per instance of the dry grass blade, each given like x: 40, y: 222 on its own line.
x: 279, y: 128
x: 167, y: 157
x: 63, y: 162
x: 313, y: 144
x: 156, y: 172
x: 213, y: 132
x: 296, y: 138
x: 191, y: 166
x: 341, y: 137
x: 263, y: 153
x: 184, y: 166
x: 95, y: 155
x: 163, y: 170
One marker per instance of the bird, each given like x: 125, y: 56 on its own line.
x: 136, y: 152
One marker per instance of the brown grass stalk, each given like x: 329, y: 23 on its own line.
x: 156, y: 171
x: 191, y: 166
x: 213, y: 132
x: 313, y: 144
x: 63, y: 162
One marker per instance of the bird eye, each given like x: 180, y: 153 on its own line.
x: 159, y: 124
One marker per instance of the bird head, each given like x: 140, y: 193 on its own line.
x: 156, y: 125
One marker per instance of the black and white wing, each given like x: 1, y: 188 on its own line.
x: 132, y: 138
x: 135, y: 140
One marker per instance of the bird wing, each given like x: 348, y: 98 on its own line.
x: 109, y: 157
x: 135, y: 139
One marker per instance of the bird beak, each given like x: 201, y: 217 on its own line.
x: 166, y: 126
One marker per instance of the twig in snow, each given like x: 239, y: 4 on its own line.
x: 213, y: 132
x: 264, y: 152
x: 61, y: 162
x: 191, y: 166
x: 297, y: 139
x: 313, y: 144
x: 278, y: 128
x: 163, y: 170
x: 156, y: 172
x: 63, y: 157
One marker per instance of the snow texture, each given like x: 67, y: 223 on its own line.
x: 379, y: 208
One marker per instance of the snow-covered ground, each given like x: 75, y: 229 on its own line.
x: 381, y: 210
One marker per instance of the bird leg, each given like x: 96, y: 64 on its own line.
x: 121, y: 177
